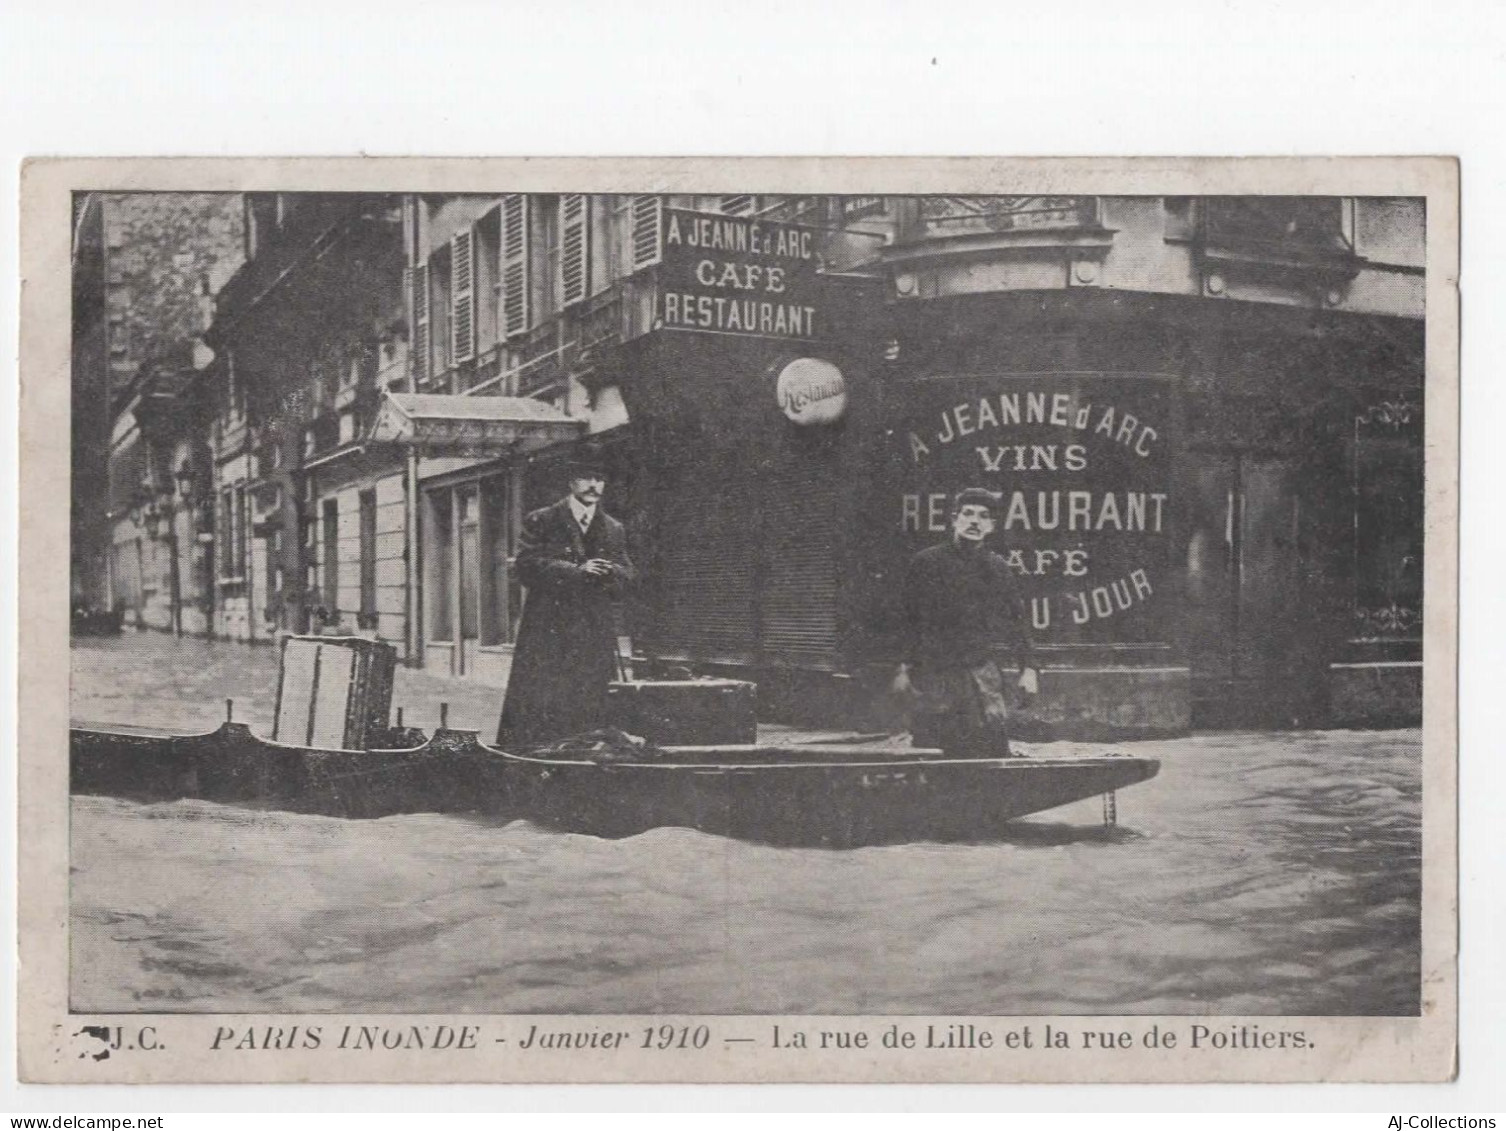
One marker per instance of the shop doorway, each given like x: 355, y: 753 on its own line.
x: 1253, y: 639
x: 472, y: 595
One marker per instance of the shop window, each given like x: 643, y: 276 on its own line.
x: 500, y: 593
x: 127, y: 574
x: 368, y: 559
x: 1388, y: 521
x: 272, y: 578
x: 469, y: 516
x: 238, y: 540
x: 330, y: 558
x: 138, y: 576
x: 439, y: 566
x: 231, y: 533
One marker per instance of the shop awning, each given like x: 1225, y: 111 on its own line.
x: 442, y: 424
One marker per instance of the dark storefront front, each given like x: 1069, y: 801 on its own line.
x: 1214, y: 508
x: 1087, y: 520
x: 749, y: 402
x: 745, y: 517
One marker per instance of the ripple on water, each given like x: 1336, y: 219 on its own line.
x: 1264, y: 874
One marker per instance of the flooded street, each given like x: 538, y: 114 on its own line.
x: 1259, y: 873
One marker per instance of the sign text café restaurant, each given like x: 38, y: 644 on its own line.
x: 778, y: 464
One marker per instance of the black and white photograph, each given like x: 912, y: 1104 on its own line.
x: 569, y: 625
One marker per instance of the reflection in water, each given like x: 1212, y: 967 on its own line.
x: 1259, y: 873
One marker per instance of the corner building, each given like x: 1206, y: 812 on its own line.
x: 1203, y: 414
x: 1205, y: 417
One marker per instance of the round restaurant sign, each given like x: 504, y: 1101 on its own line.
x: 811, y: 391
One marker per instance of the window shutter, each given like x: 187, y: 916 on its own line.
x: 739, y: 205
x: 514, y: 264
x: 463, y: 296
x: 647, y: 232
x: 421, y: 324
x: 575, y: 267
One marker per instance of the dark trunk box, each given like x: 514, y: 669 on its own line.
x: 691, y: 712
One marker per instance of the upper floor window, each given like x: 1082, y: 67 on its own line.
x: 545, y: 269
x: 462, y: 296
x: 1280, y: 224
x: 439, y: 292
x: 738, y: 205
x: 514, y: 244
x: 573, y: 233
x: 261, y: 221
x: 486, y: 237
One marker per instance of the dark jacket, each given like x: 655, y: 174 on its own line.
x: 566, y: 652
x: 959, y: 604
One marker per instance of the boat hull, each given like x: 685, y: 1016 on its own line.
x: 829, y: 803
x: 818, y: 795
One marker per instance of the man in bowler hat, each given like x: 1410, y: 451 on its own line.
x: 960, y: 602
x: 573, y: 561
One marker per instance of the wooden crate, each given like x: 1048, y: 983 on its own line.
x: 333, y: 692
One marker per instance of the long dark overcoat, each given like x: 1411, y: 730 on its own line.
x: 961, y: 605
x: 566, y: 652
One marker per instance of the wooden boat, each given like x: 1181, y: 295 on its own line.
x: 821, y: 794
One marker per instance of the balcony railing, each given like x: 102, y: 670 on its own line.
x: 947, y: 216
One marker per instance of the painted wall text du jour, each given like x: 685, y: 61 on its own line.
x: 1082, y: 476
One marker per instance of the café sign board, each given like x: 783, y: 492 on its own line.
x: 1081, y: 464
x: 739, y: 275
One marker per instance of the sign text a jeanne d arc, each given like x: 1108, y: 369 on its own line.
x: 735, y: 275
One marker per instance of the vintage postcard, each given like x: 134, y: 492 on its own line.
x: 739, y: 620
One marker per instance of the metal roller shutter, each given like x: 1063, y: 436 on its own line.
x: 798, y: 622
x: 704, y: 604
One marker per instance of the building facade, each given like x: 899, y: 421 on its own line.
x: 1203, y: 416
x: 145, y: 266
x: 307, y: 335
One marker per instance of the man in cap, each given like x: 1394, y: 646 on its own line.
x: 573, y: 561
x: 961, y: 602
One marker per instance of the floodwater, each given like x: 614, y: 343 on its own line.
x: 1258, y: 874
